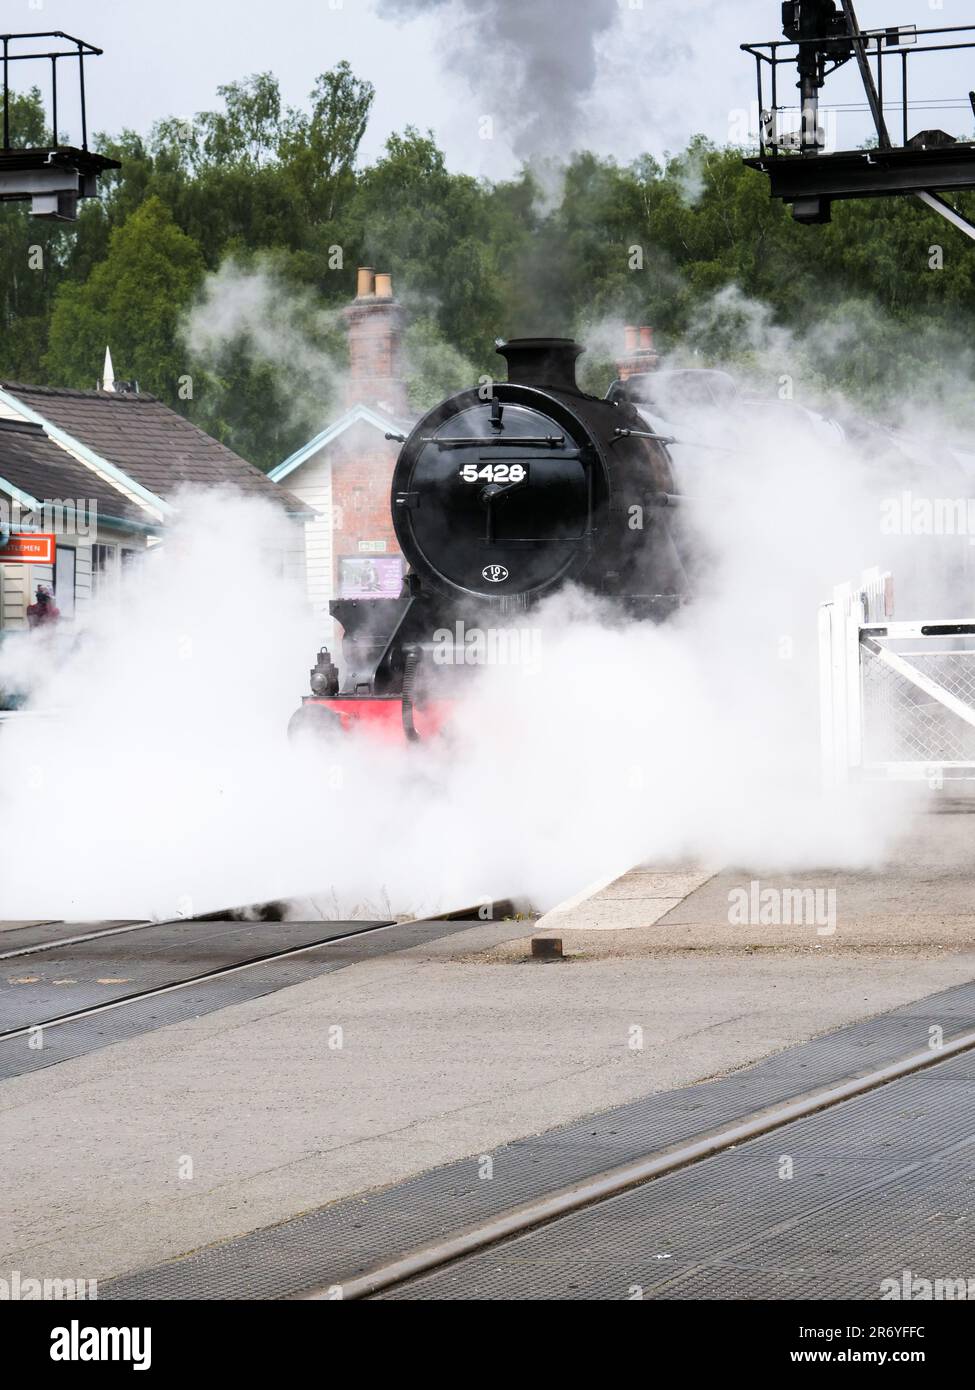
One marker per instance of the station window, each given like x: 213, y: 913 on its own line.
x: 64, y: 571
x: 103, y: 567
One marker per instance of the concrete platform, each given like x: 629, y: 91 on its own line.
x: 923, y: 898
x: 441, y: 1056
x: 214, y: 1126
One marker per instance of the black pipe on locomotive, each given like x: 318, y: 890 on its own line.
x: 501, y: 496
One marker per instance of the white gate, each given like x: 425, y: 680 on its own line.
x: 897, y: 698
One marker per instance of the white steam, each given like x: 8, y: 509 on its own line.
x: 165, y: 784
x: 280, y: 327
x: 253, y: 309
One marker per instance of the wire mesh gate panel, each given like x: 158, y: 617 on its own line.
x: 898, y: 698
x: 905, y: 722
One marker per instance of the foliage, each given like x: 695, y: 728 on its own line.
x: 693, y: 246
x: 133, y: 301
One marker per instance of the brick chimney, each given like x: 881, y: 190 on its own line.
x: 367, y: 562
x: 374, y: 322
x: 639, y: 353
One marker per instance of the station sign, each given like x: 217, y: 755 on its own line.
x: 29, y: 548
x: 378, y: 578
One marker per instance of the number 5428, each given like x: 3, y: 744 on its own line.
x: 493, y: 473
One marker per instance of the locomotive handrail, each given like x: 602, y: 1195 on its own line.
x: 644, y: 434
x: 672, y: 499
x: 491, y: 441
x: 672, y: 439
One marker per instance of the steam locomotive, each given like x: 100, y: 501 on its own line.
x: 501, y: 496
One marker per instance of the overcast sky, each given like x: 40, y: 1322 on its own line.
x: 660, y: 71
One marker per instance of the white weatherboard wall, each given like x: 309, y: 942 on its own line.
x: 14, y: 588
x: 312, y: 484
x: 18, y: 582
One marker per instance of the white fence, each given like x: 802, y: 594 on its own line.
x: 897, y: 698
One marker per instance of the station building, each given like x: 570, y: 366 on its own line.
x: 344, y: 472
x: 100, y: 469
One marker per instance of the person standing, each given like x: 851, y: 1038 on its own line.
x: 44, y: 612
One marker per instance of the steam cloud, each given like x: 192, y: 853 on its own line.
x: 623, y: 743
x: 283, y: 328
x: 612, y: 76
x: 277, y: 324
x: 534, y: 64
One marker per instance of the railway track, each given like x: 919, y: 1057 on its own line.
x: 132, y: 978
x: 461, y: 1243
x: 237, y: 914
x: 73, y: 940
x: 264, y: 912
x: 409, y: 1273
x: 203, y: 976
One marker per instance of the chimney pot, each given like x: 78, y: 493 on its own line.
x: 374, y: 322
x: 639, y: 354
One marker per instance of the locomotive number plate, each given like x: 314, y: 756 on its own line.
x: 493, y: 473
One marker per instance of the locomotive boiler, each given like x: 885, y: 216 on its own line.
x: 501, y: 496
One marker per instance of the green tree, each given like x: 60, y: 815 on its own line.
x: 436, y: 231
x: 133, y: 302
x: 33, y: 257
x: 722, y: 271
x: 254, y: 172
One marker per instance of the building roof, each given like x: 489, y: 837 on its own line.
x: 32, y: 465
x: 149, y: 444
x: 368, y: 415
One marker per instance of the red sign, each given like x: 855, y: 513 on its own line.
x: 29, y: 548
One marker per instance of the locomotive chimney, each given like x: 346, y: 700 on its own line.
x: 374, y: 322
x: 541, y: 361
x: 639, y: 353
